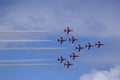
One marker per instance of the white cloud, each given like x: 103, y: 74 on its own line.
x: 111, y: 74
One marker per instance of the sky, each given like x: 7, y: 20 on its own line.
x: 91, y: 20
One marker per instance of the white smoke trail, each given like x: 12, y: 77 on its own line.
x: 32, y: 60
x: 15, y: 65
x: 25, y: 40
x: 25, y: 48
x: 33, y: 31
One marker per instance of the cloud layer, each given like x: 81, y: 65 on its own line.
x: 97, y: 18
x: 111, y: 74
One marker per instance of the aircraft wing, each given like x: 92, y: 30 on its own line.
x: 78, y: 49
x: 98, y: 46
x: 79, y: 46
x: 68, y: 66
x: 61, y: 57
x: 61, y: 38
x: 73, y: 37
x: 73, y: 58
x: 60, y: 42
x: 61, y: 61
x: 88, y: 47
x: 67, y: 32
x: 72, y: 41
x: 99, y: 42
x: 67, y: 28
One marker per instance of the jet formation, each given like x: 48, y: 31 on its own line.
x: 72, y: 39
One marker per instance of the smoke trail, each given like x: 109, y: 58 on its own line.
x: 25, y: 40
x: 33, y: 31
x: 25, y: 48
x: 32, y: 60
x: 15, y: 65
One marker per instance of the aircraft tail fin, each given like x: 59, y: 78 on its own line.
x: 65, y: 30
x: 58, y: 40
x: 58, y: 59
x: 69, y: 39
x: 76, y: 47
x: 95, y: 44
x: 65, y: 64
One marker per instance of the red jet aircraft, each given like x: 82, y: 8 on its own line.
x: 68, y: 30
x: 61, y: 40
x: 99, y: 44
x: 68, y: 64
x: 79, y: 48
x: 61, y: 59
x: 73, y: 39
x: 89, y: 45
x: 73, y: 56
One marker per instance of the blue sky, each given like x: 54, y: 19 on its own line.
x: 91, y: 20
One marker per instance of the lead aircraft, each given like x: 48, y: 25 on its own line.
x: 67, y: 30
